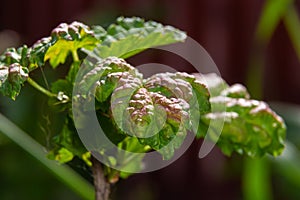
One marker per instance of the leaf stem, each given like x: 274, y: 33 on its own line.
x: 40, y: 88
x: 74, y: 67
x: 75, y: 56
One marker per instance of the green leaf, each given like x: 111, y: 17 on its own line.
x: 20, y: 55
x: 67, y: 144
x: 127, y: 161
x: 62, y: 85
x: 63, y: 88
x: 68, y: 39
x: 64, y: 155
x: 109, y: 128
x: 130, y: 36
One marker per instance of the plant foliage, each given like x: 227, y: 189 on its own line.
x: 131, y: 108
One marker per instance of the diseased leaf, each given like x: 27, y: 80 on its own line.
x: 20, y: 55
x: 68, y: 39
x: 125, y: 88
x: 130, y: 36
x: 105, y: 76
x: 12, y: 78
x: 139, y: 119
x: 155, y: 120
x: 236, y: 91
x: 169, y: 85
x: 136, y: 114
x: 250, y: 126
x: 13, y: 70
x: 10, y: 56
x: 38, y: 51
x: 171, y: 136
x: 187, y: 87
x: 199, y: 105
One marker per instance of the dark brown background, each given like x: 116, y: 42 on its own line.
x: 224, y: 28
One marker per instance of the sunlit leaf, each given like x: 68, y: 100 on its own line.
x: 130, y: 36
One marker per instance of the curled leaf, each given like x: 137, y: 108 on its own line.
x: 68, y: 38
x: 250, y: 126
x: 38, y: 51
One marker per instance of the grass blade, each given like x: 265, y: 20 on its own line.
x: 292, y: 24
x: 62, y: 172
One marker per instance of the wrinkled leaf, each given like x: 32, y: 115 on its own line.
x: 12, y: 78
x: 250, y: 126
x: 105, y: 76
x: 187, y: 87
x: 154, y: 119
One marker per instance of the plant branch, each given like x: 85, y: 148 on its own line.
x: 102, y: 187
x: 40, y: 88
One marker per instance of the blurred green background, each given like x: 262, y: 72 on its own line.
x: 256, y: 43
